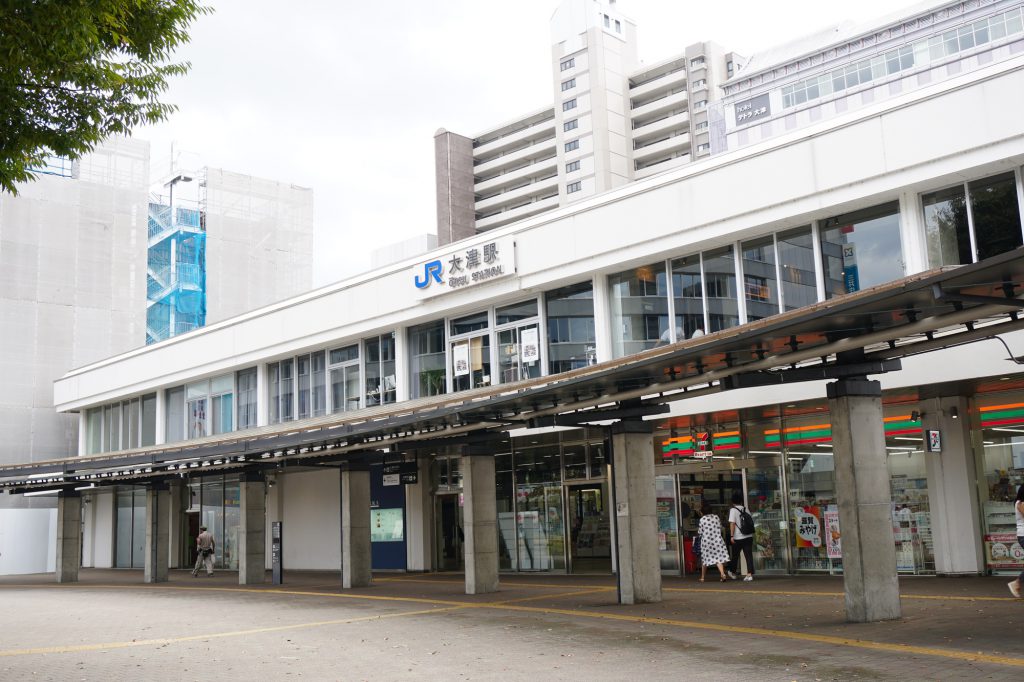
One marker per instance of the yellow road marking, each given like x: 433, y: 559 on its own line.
x: 563, y: 595
x: 105, y: 646
x: 788, y: 593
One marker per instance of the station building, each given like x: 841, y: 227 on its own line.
x: 561, y: 393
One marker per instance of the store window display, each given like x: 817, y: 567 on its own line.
x: 998, y: 426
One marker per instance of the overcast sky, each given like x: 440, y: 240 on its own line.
x: 345, y: 97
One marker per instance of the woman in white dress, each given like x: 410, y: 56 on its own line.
x: 712, y: 546
x: 1018, y: 511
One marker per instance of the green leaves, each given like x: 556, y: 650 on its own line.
x: 73, y: 72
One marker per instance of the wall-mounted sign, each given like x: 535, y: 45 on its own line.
x: 466, y: 267
x: 850, y: 273
x: 460, y: 359
x: 933, y: 441
x: 401, y: 473
x: 753, y: 109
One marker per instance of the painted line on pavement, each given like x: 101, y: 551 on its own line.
x: 798, y: 593
x: 163, y: 641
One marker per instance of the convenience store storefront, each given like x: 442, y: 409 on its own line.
x: 781, y: 460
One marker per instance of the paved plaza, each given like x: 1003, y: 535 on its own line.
x: 110, y: 626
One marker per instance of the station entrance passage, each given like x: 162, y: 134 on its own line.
x: 844, y: 341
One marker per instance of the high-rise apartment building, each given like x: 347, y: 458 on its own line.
x: 613, y: 121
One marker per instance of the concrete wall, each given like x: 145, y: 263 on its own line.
x: 23, y: 532
x: 312, y: 519
x: 873, y: 155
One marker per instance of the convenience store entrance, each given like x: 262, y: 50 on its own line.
x: 590, y: 537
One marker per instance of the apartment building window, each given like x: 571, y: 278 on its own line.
x: 697, y: 62
x: 700, y: 83
x: 703, y: 147
x: 607, y: 21
x: 572, y: 145
x: 569, y: 84
x: 573, y: 187
x: 700, y: 104
x: 569, y: 104
x: 572, y: 167
x: 567, y: 63
x: 570, y: 125
x: 618, y: 26
x: 701, y: 125
x: 729, y: 67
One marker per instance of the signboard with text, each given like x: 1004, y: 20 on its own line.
x: 753, y: 110
x: 466, y: 267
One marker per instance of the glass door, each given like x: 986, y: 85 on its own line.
x: 590, y: 545
x: 450, y: 533
x: 540, y: 527
x: 766, y: 504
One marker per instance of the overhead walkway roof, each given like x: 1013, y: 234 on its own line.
x: 856, y: 334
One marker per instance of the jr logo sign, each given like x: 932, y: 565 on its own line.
x: 431, y: 271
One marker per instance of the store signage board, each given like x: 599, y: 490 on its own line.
x: 466, y: 267
x: 401, y: 473
x: 753, y: 110
x: 933, y: 441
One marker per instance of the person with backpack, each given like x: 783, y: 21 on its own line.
x: 741, y: 537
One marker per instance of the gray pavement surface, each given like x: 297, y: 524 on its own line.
x: 111, y: 626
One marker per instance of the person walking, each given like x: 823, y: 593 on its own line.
x: 1018, y: 510
x: 205, y: 547
x: 713, y: 551
x: 741, y: 537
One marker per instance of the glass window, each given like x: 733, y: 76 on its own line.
x: 197, y: 421
x: 133, y: 423
x: 175, y: 414
x: 720, y: 289
x: 469, y: 323
x: 946, y: 228
x: 516, y: 312
x: 148, y: 419
x: 796, y: 264
x: 760, y: 287
x: 380, y: 370
x: 571, y: 336
x: 287, y: 409
x: 94, y: 431
x: 519, y: 353
x: 222, y: 413
x: 639, y: 309
x: 303, y: 366
x: 864, y: 246
x: 319, y: 385
x: 688, y: 297
x: 1001, y: 472
x: 426, y: 360
x: 995, y: 215
x: 112, y: 414
x: 246, y: 380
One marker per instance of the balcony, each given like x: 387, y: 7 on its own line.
x: 518, y: 213
x: 661, y: 166
x: 675, y: 123
x: 538, y: 188
x: 536, y: 151
x: 540, y: 168
x: 652, y: 110
x: 666, y: 147
x: 502, y: 144
x: 670, y: 81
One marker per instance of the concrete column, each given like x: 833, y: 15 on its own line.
x: 636, y: 520
x: 160, y: 437
x: 158, y: 523
x: 174, y: 529
x: 912, y: 233
x: 862, y: 489
x: 602, y: 319
x: 355, y: 528
x: 252, y: 531
x: 952, y: 491
x: 69, y: 536
x: 83, y: 432
x: 480, y: 521
x: 419, y: 509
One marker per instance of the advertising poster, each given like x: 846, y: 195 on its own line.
x: 460, y: 359
x: 387, y: 525
x: 530, y: 352
x: 833, y: 544
x: 1002, y: 552
x: 808, y: 527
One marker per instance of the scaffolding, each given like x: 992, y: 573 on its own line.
x: 175, y: 269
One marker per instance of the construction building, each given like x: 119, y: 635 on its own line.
x: 81, y: 280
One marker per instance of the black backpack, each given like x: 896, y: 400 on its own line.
x: 746, y: 525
